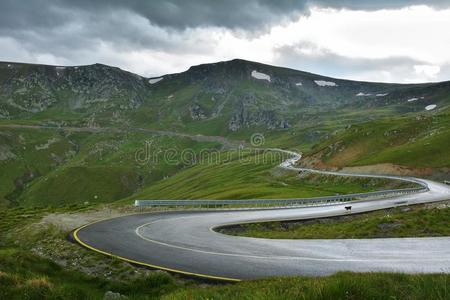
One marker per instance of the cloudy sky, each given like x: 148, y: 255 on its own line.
x: 384, y: 40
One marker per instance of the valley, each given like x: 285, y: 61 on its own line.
x: 86, y: 120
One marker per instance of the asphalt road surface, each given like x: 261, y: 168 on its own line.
x: 185, y: 242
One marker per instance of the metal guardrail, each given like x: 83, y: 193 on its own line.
x: 277, y: 202
x: 289, y: 164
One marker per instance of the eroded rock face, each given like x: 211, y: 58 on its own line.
x: 35, y: 88
x: 6, y: 153
x: 246, y: 119
x: 250, y: 110
x: 197, y: 112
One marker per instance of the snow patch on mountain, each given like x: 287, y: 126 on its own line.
x: 259, y: 75
x: 430, y: 107
x: 155, y: 80
x: 361, y: 94
x: 325, y: 83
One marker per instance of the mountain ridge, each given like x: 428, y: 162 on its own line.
x: 217, y: 99
x: 240, y: 60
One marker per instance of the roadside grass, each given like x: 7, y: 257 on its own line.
x: 27, y: 276
x: 11, y: 218
x: 38, y: 262
x: 424, y: 220
x: 339, y: 286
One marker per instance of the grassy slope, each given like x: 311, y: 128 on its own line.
x: 417, y: 222
x: 252, y: 176
x: 81, y: 184
x: 26, y: 276
x: 80, y: 166
x: 422, y: 141
x: 339, y: 286
x: 66, y: 171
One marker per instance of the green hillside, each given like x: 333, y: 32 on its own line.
x: 253, y: 176
x: 415, y: 141
x: 54, y: 167
x: 214, y: 99
x: 89, y: 122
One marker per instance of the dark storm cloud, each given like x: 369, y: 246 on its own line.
x: 173, y: 14
x: 66, y: 24
x: 179, y: 14
x: 87, y: 31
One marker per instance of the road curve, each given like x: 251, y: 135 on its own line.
x: 185, y: 241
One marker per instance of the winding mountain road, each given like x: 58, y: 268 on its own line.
x: 185, y: 241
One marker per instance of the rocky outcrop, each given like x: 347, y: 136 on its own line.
x: 35, y: 88
x: 197, y: 113
x: 248, y: 113
x: 6, y: 153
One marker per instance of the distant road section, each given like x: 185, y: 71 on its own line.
x: 196, y: 137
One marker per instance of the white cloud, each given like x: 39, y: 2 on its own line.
x: 427, y: 70
x: 408, y: 45
x: 377, y: 34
